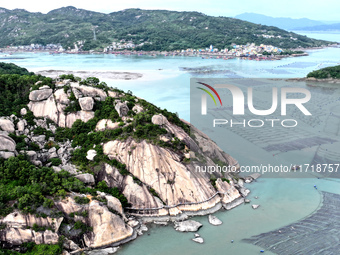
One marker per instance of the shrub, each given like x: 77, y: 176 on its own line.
x: 84, y: 228
x: 55, y: 161
x: 82, y: 200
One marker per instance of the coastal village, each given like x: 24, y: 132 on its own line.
x: 249, y: 51
x: 124, y: 47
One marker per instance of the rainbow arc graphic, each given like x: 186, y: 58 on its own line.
x: 204, y: 97
x: 209, y: 93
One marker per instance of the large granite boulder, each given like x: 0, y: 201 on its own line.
x: 6, y: 154
x: 105, y: 124
x: 122, y: 109
x: 88, y: 91
x: 61, y: 97
x: 7, y: 125
x: 21, y: 125
x: 137, y: 108
x: 18, y: 236
x: 114, y: 204
x: 86, y: 103
x: 159, y: 119
x: 23, y: 111
x: 39, y: 95
x: 19, y: 220
x: 45, y: 108
x: 86, y: 178
x: 230, y: 193
x: 7, y: 143
x: 91, y: 154
x: 108, y: 228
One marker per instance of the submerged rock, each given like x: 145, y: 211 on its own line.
x: 255, y: 206
x: 187, y: 226
x: 198, y: 240
x: 213, y: 220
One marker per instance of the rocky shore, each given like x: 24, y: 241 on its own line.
x: 159, y: 183
x: 312, y: 79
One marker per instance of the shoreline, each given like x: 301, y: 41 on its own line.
x: 114, y: 75
x: 312, y: 79
x: 203, y: 55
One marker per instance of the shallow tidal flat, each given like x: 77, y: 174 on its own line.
x: 84, y: 74
x: 318, y: 233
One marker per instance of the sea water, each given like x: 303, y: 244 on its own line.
x: 166, y: 84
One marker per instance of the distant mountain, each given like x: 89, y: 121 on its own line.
x: 150, y: 29
x: 284, y: 23
x: 331, y: 27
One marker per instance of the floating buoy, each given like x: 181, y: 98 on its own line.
x: 262, y: 251
x: 315, y: 187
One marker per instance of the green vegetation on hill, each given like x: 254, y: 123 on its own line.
x: 327, y: 72
x: 34, y: 249
x: 31, y: 184
x: 9, y: 68
x: 157, y: 29
x: 15, y: 84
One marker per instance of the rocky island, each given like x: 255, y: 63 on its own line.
x: 84, y: 166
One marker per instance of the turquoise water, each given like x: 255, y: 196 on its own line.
x: 166, y: 84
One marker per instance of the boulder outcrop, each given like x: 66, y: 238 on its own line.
x: 86, y: 178
x: 86, y: 103
x: 17, y: 236
x: 6, y: 125
x: 159, y: 119
x: 107, y: 227
x: 7, y: 143
x: 105, y: 124
x: 19, y: 220
x: 39, y: 95
x: 122, y: 108
x: 155, y: 176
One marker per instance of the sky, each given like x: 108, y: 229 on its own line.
x: 327, y: 10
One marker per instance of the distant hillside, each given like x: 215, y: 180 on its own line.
x: 284, y: 23
x: 150, y: 29
x: 331, y: 27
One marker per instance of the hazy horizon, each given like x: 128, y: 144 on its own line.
x: 291, y: 9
